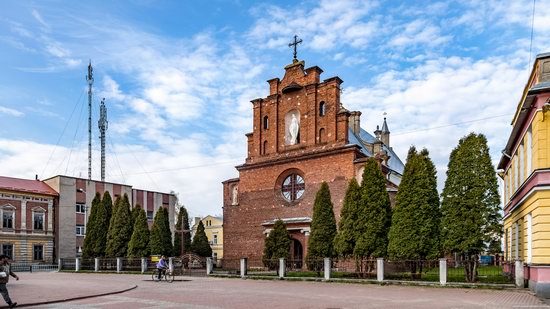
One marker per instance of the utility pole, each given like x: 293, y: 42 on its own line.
x: 90, y: 80
x: 102, y: 124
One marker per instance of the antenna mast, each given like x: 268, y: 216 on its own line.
x: 90, y: 80
x: 102, y: 124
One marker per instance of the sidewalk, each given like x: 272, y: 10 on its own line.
x: 47, y: 287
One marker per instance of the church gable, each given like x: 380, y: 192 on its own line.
x: 301, y: 114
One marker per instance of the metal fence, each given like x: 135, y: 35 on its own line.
x: 30, y: 267
x: 353, y: 268
x: 227, y: 266
x: 417, y: 270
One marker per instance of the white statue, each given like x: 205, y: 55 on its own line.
x: 293, y: 130
x: 234, y: 196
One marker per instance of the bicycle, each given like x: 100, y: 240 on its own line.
x: 167, y: 275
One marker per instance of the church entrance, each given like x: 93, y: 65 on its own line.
x: 296, y: 254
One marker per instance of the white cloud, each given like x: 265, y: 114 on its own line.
x: 10, y: 111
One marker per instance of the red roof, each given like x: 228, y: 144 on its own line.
x: 26, y: 185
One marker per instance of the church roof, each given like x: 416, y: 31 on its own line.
x: 394, y: 163
x: 385, y: 127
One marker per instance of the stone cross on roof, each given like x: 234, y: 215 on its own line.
x: 295, y: 44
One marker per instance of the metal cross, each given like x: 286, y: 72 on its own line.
x: 295, y: 44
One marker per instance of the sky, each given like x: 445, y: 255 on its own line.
x: 178, y: 78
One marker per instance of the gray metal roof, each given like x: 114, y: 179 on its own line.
x: 394, y: 163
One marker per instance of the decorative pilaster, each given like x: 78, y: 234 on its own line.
x: 24, y: 215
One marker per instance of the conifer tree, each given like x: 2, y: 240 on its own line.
x: 323, y: 229
x: 139, y: 243
x: 160, y: 242
x: 277, y: 245
x: 414, y: 233
x: 107, y: 203
x: 134, y: 214
x: 183, y: 220
x: 120, y: 230
x: 374, y: 217
x: 200, y: 245
x: 93, y: 229
x: 347, y: 236
x: 470, y: 216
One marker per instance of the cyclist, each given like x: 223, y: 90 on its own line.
x: 162, y: 266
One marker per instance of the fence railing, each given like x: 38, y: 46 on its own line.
x: 416, y: 270
x: 30, y: 267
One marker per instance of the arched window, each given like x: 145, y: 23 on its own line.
x: 293, y: 187
x: 322, y: 108
x: 264, y: 148
x: 322, y: 138
x: 266, y: 122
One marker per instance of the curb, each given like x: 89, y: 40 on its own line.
x: 72, y: 298
x: 385, y: 282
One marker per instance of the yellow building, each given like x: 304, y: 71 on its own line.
x: 213, y: 227
x: 525, y: 170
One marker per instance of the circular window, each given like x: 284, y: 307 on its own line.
x: 293, y: 187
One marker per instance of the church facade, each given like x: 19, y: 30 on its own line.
x: 302, y: 136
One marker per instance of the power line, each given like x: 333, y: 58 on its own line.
x: 62, y: 133
x: 451, y: 124
x: 531, y: 44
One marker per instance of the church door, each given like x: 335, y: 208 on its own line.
x: 297, y: 253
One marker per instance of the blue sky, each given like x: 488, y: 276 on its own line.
x: 178, y: 77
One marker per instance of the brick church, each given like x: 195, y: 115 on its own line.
x: 302, y: 135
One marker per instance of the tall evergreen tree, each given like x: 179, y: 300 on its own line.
x: 139, y: 243
x: 347, y: 236
x: 374, y: 217
x: 200, y: 244
x: 107, y: 203
x: 93, y: 229
x: 323, y: 228
x: 134, y: 214
x: 160, y: 242
x: 183, y: 221
x: 414, y: 233
x: 470, y: 219
x: 120, y: 230
x: 277, y: 245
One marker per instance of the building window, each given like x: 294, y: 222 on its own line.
x: 322, y: 109
x: 516, y: 173
x: 80, y: 230
x: 293, y: 187
x: 38, y: 219
x: 266, y: 123
x: 80, y: 208
x: 215, y: 239
x: 521, y: 164
x: 7, y: 219
x: 149, y: 215
x: 529, y: 151
x: 516, y: 240
x: 38, y: 252
x: 7, y: 249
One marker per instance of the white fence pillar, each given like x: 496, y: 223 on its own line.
x: 143, y: 265
x: 380, y: 269
x: 244, y: 266
x: 443, y: 271
x: 59, y: 264
x: 118, y: 264
x: 519, y: 274
x: 96, y: 264
x: 282, y: 268
x: 77, y: 264
x: 171, y: 264
x: 327, y: 267
x: 209, y: 265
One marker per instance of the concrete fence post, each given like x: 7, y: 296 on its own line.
x: 77, y: 264
x: 327, y: 267
x: 96, y: 264
x: 118, y: 264
x: 59, y: 264
x: 282, y: 268
x: 380, y: 269
x: 209, y: 265
x: 443, y: 271
x: 519, y: 274
x: 143, y: 265
x: 244, y: 266
x: 171, y: 264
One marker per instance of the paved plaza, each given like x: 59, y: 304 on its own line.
x: 203, y: 293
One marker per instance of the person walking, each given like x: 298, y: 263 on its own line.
x: 5, y: 273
